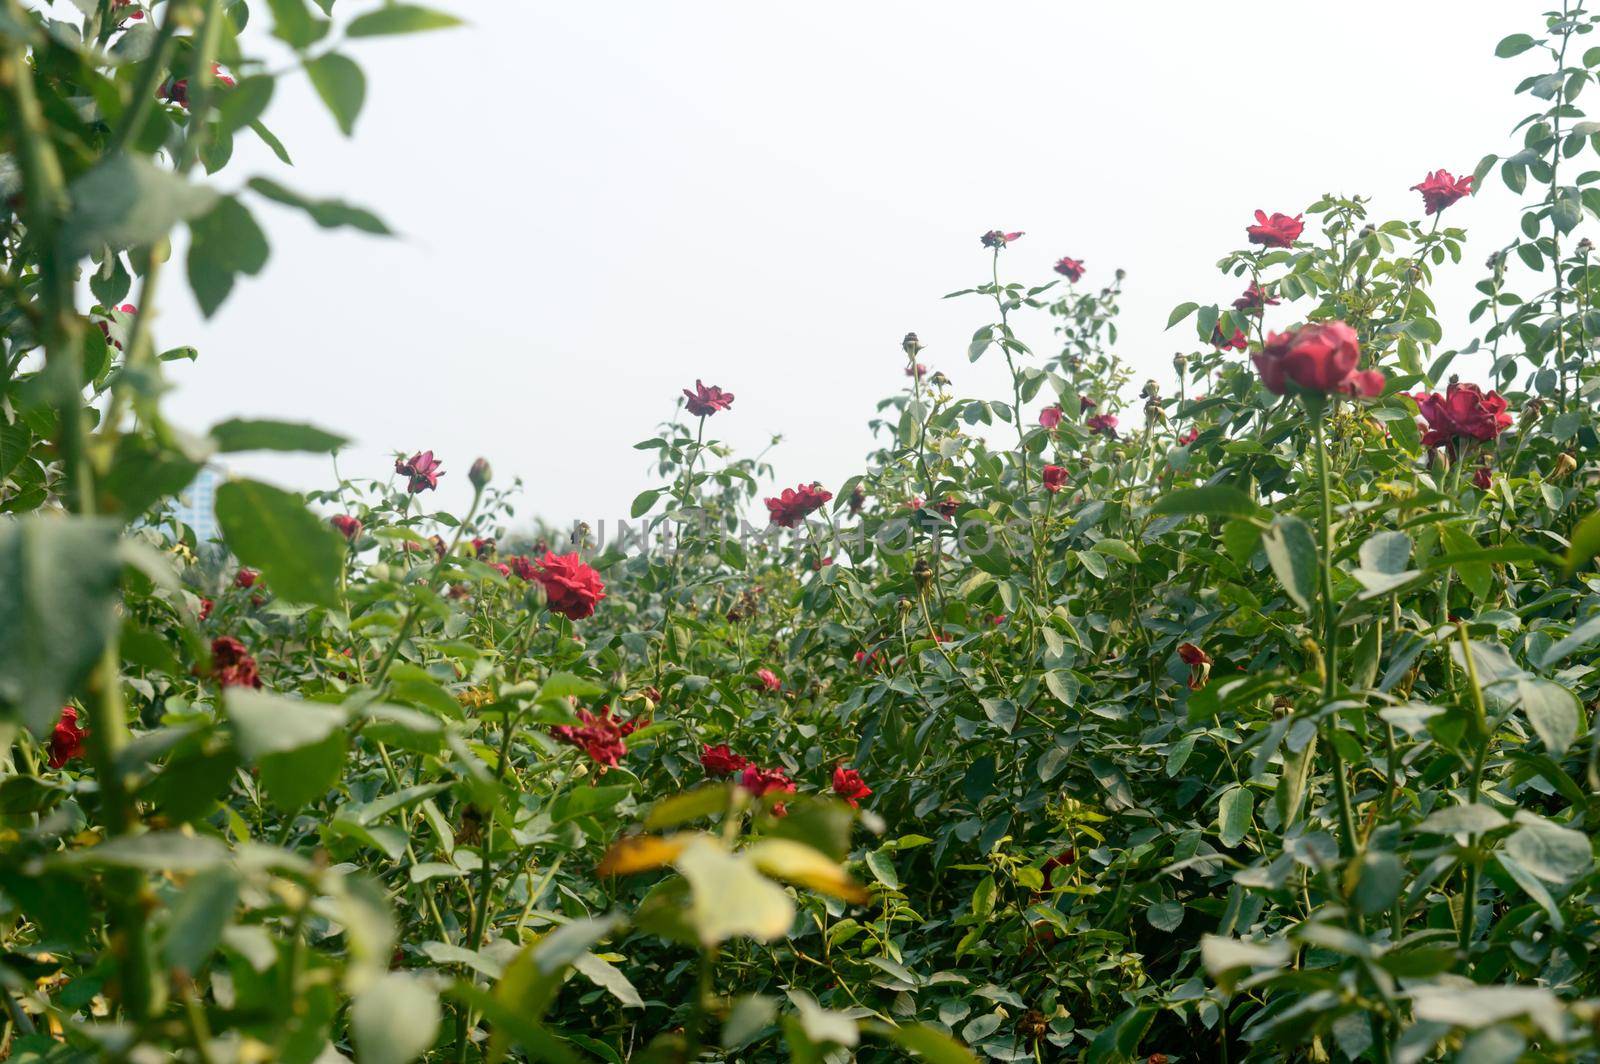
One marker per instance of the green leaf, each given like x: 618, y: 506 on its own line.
x: 271, y: 530
x: 1585, y: 544
x: 1181, y: 311
x: 1235, y: 812
x: 238, y: 434
x: 327, y: 213
x: 1293, y: 554
x: 245, y: 102
x: 1216, y: 500
x: 128, y: 201
x: 607, y: 976
x: 1553, y: 853
x: 642, y: 503
x: 1515, y: 44
x: 224, y: 242
x: 1583, y: 634
x: 198, y: 918
x: 394, y: 1020
x: 265, y: 723
x: 342, y: 86
x: 1553, y: 711
x: 58, y: 587
x: 399, y: 18
x: 294, y: 23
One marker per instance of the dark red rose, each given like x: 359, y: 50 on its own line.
x: 482, y: 547
x: 1050, y: 417
x: 1189, y: 437
x: 439, y: 546
x: 349, y: 527
x: 719, y: 762
x: 1061, y: 860
x: 1086, y: 404
x: 1464, y: 411
x: 66, y: 739
x: 995, y: 238
x: 858, y: 497
x: 523, y: 566
x: 703, y: 401
x: 1054, y: 477
x: 601, y: 737
x: 178, y: 91
x: 231, y: 664
x: 848, y: 784
x: 245, y: 577
x: 1071, y: 269
x: 1481, y: 478
x: 1440, y: 189
x: 948, y: 506
x: 792, y: 507
x: 1237, y: 342
x: 1199, y: 663
x: 1276, y: 231
x: 760, y: 781
x: 422, y: 471
x: 206, y: 605
x: 1103, y: 425
x: 571, y: 587
x: 1316, y: 358
x: 769, y: 679
x: 1253, y: 300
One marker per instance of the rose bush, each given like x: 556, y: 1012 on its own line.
x: 1249, y: 720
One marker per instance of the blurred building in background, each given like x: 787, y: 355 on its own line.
x: 197, y: 503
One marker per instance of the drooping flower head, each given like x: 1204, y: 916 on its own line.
x: 1275, y: 230
x: 231, y: 664
x: 704, y: 401
x: 719, y: 762
x: 599, y: 736
x: 1086, y: 404
x: 1071, y: 269
x: 794, y: 504
x: 422, y: 471
x: 1254, y: 299
x: 1199, y: 663
x: 996, y: 238
x: 848, y: 784
x: 1440, y: 189
x: 1103, y: 425
x: 1320, y: 359
x: 1464, y: 411
x: 1054, y: 477
x: 572, y: 588
x: 66, y: 739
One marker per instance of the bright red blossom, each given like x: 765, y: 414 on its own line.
x: 422, y: 471
x: 769, y: 679
x: 848, y: 784
x: 1316, y: 358
x: 1440, y: 189
x: 703, y: 401
x: 1189, y: 437
x: 1276, y: 230
x: 571, y: 587
x: 792, y: 507
x: 66, y: 739
x: 348, y: 527
x: 1199, y: 663
x: 599, y: 736
x: 719, y: 762
x: 1464, y: 411
x: 761, y: 781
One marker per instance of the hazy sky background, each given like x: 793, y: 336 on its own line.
x: 601, y: 203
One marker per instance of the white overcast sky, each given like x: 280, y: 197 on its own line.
x: 600, y: 203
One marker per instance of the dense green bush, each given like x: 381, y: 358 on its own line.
x: 1248, y: 722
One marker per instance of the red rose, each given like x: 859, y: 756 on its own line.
x: 178, y: 91
x: 231, y: 664
x: 917, y: 370
x: 205, y: 608
x: 523, y: 566
x: 482, y: 547
x: 1464, y: 411
x: 1050, y: 417
x: 760, y: 781
x: 1103, y: 425
x: 769, y: 679
x: 1199, y: 663
x: 1481, y: 478
x: 502, y: 568
x: 1086, y: 404
x: 1237, y: 342
x: 791, y: 507
x: 349, y: 527
x: 1277, y: 231
x: 1071, y: 269
x: 1055, y: 478
x: 439, y: 546
x: 245, y: 577
x: 1060, y: 860
x: 948, y: 506
x: 601, y: 737
x: 848, y: 784
x: 1253, y: 300
x: 66, y: 739
x: 1316, y: 358
x: 719, y: 762
x: 572, y: 588
x: 1189, y: 437
x: 422, y: 470
x: 994, y: 238
x: 1440, y: 189
x: 703, y: 401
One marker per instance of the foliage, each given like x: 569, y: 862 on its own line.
x: 1252, y: 723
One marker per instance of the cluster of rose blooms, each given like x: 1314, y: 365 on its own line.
x: 720, y: 762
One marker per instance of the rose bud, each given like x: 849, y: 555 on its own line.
x: 911, y: 345
x: 1566, y: 465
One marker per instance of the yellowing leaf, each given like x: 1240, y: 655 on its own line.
x: 640, y: 853
x: 730, y: 897
x: 797, y: 863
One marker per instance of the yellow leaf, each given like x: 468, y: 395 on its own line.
x: 641, y: 853
x: 797, y: 863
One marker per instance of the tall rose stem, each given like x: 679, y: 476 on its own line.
x: 1330, y: 631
